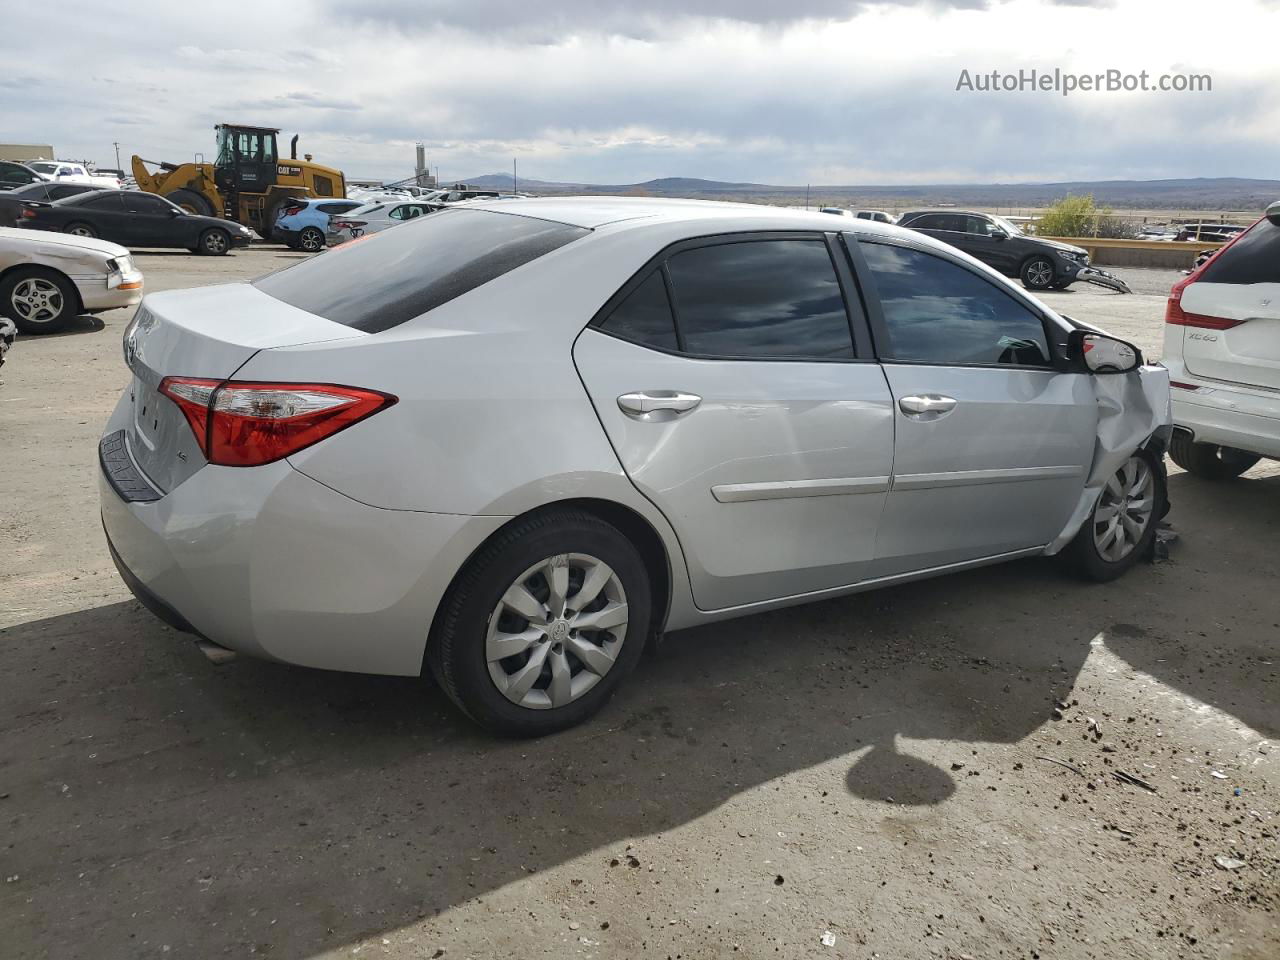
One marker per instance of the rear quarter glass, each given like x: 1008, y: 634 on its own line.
x: 385, y: 279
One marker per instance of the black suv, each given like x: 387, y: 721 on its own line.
x: 1040, y: 264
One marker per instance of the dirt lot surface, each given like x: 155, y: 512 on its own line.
x: 859, y: 778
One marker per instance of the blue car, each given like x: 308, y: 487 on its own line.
x: 302, y: 222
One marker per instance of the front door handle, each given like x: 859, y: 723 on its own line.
x: 927, y: 406
x: 658, y: 404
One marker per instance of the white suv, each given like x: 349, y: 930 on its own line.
x: 1222, y: 348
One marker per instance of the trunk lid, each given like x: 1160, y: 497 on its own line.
x: 1241, y: 285
x: 207, y: 332
x: 1248, y: 353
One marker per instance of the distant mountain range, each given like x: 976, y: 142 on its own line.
x: 1220, y: 193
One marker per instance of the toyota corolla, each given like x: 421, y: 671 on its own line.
x: 510, y: 444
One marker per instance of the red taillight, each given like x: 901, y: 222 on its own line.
x: 348, y: 224
x: 249, y: 424
x: 1179, y: 385
x: 1176, y: 316
x: 28, y: 214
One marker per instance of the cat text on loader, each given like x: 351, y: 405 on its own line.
x: 248, y: 181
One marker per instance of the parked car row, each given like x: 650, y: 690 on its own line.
x: 11, y: 201
x: 311, y: 224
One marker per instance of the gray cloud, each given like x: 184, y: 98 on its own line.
x: 552, y: 21
x: 702, y: 97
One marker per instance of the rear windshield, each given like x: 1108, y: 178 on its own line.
x: 379, y: 281
x: 1253, y: 258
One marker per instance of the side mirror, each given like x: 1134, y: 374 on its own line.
x: 1273, y: 213
x: 998, y: 234
x: 1098, y: 353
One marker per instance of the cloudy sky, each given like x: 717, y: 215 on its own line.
x: 773, y: 91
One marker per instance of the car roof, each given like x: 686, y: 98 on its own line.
x: 595, y: 212
x: 948, y: 210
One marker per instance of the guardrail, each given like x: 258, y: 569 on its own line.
x: 1171, y: 254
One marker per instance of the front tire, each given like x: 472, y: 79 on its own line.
x: 38, y: 300
x: 1208, y: 460
x: 543, y: 624
x: 1123, y: 523
x: 1037, y: 273
x: 215, y: 243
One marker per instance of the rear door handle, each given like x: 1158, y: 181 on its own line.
x: 927, y: 406
x: 658, y: 404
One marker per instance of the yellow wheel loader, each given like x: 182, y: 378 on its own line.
x: 248, y: 180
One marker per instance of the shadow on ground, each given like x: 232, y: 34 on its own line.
x: 259, y: 808
x: 85, y: 323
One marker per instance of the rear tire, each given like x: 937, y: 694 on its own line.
x: 191, y: 202
x: 215, y: 242
x: 1132, y: 503
x: 1037, y: 273
x: 311, y: 240
x: 476, y: 620
x: 1208, y: 460
x: 38, y: 300
x: 81, y: 230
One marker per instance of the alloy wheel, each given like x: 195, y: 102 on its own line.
x: 37, y: 300
x: 81, y: 231
x: 1040, y: 273
x: 215, y: 242
x: 311, y: 240
x: 1124, y: 510
x: 557, y: 631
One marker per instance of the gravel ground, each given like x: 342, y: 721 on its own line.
x: 863, y: 777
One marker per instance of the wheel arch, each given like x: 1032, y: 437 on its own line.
x: 28, y: 265
x: 633, y: 525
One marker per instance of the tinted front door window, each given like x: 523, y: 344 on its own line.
x: 761, y: 299
x: 940, y: 313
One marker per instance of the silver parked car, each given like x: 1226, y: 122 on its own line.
x: 47, y: 279
x: 373, y: 218
x: 512, y: 442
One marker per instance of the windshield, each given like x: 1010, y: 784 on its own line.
x: 39, y: 167
x: 1007, y: 226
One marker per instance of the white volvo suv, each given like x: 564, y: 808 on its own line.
x: 1222, y: 348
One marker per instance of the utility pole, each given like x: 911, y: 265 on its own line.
x: 117, y: 146
x: 515, y: 180
x: 806, y: 196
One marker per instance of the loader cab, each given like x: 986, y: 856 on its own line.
x: 246, y: 159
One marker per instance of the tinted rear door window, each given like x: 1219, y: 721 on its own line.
x: 941, y: 313
x: 395, y: 275
x: 105, y: 203
x: 1254, y: 258
x: 777, y: 299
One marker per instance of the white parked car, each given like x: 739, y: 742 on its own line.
x: 46, y: 279
x: 67, y: 172
x: 510, y: 442
x: 372, y: 218
x: 1222, y: 348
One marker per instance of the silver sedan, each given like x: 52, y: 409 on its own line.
x: 47, y: 279
x: 512, y: 443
